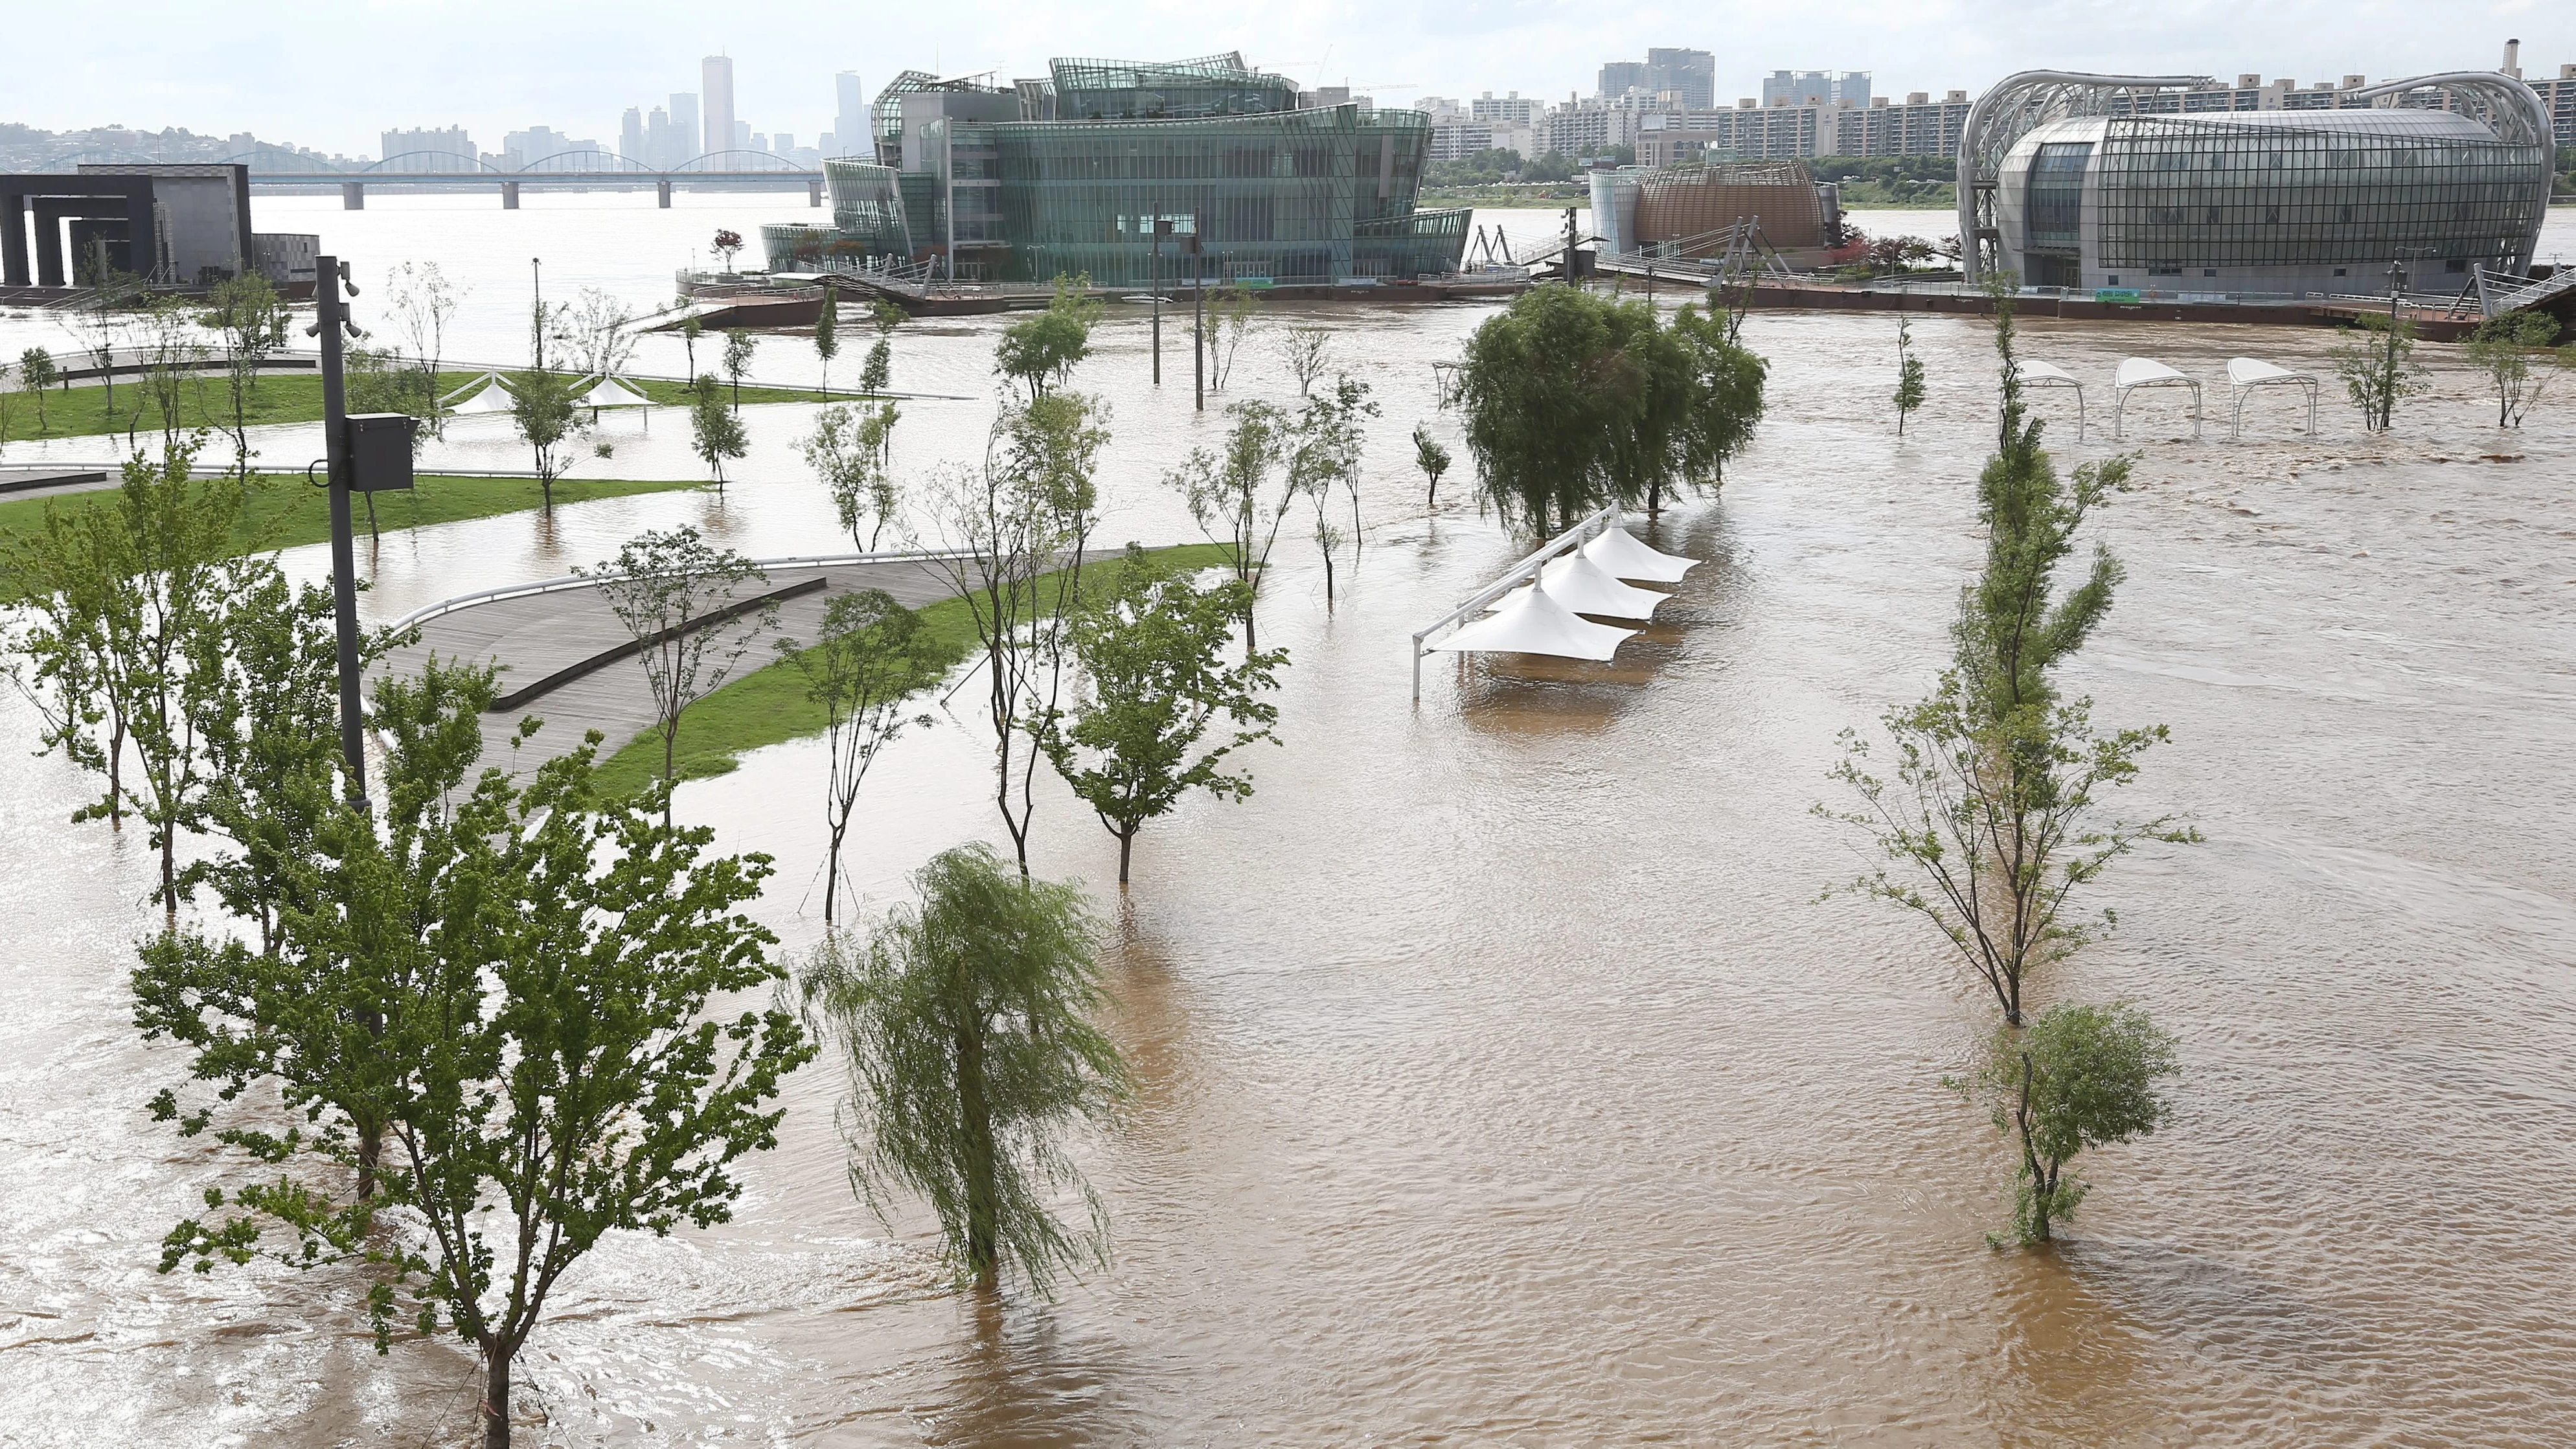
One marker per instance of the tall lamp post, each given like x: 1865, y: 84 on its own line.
x: 365, y: 453
x: 1154, y: 286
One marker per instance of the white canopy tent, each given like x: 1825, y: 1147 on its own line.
x: 485, y: 394
x: 612, y: 392
x: 1532, y: 622
x: 2138, y: 372
x: 1621, y: 556
x: 2244, y: 374
x: 1582, y: 586
x: 2048, y: 374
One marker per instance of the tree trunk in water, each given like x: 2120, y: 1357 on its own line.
x: 170, y: 876
x: 832, y: 876
x: 116, y: 779
x: 496, y: 1399
x: 983, y: 1236
x: 1126, y: 848
x: 1328, y: 577
x: 371, y: 1149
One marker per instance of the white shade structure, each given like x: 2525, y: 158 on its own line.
x: 611, y: 392
x: 1530, y: 622
x: 2048, y: 374
x: 2138, y: 372
x: 485, y: 394
x: 2244, y: 374
x: 1579, y: 584
x: 1621, y: 556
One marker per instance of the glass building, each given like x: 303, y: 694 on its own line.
x: 1071, y: 175
x: 2446, y: 173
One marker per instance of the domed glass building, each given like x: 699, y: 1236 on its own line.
x: 2077, y: 182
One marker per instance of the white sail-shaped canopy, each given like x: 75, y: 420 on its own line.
x: 613, y: 392
x: 485, y: 394
x: 1621, y: 556
x: 1581, y: 585
x: 1530, y: 622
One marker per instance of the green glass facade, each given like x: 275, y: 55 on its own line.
x: 1102, y: 150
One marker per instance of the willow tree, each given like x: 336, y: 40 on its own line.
x: 967, y: 1026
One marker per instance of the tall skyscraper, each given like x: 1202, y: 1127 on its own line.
x: 684, y: 129
x: 660, y: 142
x: 850, y: 124
x: 630, y: 138
x: 716, y: 86
x: 1690, y: 75
x: 1618, y: 76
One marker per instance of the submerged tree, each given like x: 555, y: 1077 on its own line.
x: 827, y: 334
x: 1993, y: 820
x: 715, y: 431
x: 1909, y: 374
x: 676, y: 594
x: 973, y: 1058
x: 738, y: 346
x: 543, y: 410
x: 2504, y: 348
x: 1232, y: 309
x: 848, y: 450
x: 1155, y: 687
x: 2377, y: 364
x: 2078, y: 1078
x: 870, y: 658
x: 1038, y: 353
x: 1325, y: 444
x: 1237, y: 498
x: 1308, y: 352
x: 1432, y: 459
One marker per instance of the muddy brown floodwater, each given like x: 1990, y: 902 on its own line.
x: 1504, y: 1079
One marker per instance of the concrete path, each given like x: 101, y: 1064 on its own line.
x: 533, y: 636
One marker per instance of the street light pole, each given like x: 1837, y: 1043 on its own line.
x: 330, y: 318
x: 1198, y: 320
x: 1154, y: 285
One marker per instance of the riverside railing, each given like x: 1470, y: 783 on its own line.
x: 427, y: 612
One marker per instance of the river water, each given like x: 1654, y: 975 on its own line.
x: 1503, y: 1078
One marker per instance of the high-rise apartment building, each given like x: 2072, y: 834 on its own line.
x: 850, y: 118
x: 1815, y: 88
x: 715, y: 86
x: 686, y: 139
x: 447, y: 150
x: 659, y: 141
x: 1619, y: 77
x: 630, y: 137
x: 1688, y: 76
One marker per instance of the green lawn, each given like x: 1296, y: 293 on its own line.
x: 768, y: 705
x: 284, y: 511
x: 277, y: 398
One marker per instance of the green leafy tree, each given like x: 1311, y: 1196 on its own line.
x: 737, y: 358
x: 691, y: 329
x: 1548, y: 388
x: 543, y: 409
x: 174, y: 352
x: 1308, y: 351
x: 848, y: 450
x: 1232, y: 311
x: 2504, y: 349
x: 1324, y: 454
x: 549, y: 1065
x: 1993, y: 820
x: 673, y: 591
x: 249, y: 321
x: 1702, y: 404
x: 1432, y: 459
x: 1156, y: 686
x: 1239, y: 497
x: 877, y: 373
x: 972, y: 1057
x: 827, y: 333
x: 1909, y: 375
x: 2080, y: 1077
x: 715, y: 431
x: 2377, y: 363
x: 1039, y: 352
x: 36, y: 369
x: 119, y: 597
x: 870, y: 658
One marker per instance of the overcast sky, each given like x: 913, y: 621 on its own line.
x: 288, y: 73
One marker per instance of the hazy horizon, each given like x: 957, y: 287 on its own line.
x: 492, y: 68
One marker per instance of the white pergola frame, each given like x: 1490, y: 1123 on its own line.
x: 2048, y: 374
x: 2138, y: 372
x: 2244, y: 374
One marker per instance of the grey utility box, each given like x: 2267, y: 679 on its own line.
x: 380, y: 451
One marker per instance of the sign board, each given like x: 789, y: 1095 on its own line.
x: 2117, y: 294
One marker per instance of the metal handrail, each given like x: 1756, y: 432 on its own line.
x: 1581, y: 532
x: 427, y: 612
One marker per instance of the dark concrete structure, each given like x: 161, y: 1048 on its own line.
x: 172, y: 225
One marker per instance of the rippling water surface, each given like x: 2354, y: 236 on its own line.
x: 1503, y: 1078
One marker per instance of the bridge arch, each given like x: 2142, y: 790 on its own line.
x: 738, y: 160
x: 586, y: 160
x: 412, y: 162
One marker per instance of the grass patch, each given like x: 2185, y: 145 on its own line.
x: 283, y: 511
x: 206, y: 402
x: 768, y: 706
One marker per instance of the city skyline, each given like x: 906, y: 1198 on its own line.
x: 578, y: 78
